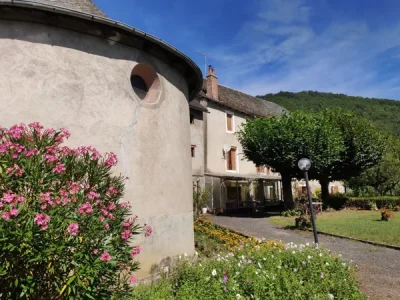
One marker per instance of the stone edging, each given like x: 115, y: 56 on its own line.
x: 358, y: 240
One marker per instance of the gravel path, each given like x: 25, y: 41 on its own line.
x: 378, y: 268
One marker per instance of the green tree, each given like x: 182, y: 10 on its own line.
x: 362, y: 147
x: 383, y: 177
x: 280, y: 143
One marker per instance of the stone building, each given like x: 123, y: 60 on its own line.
x: 217, y: 160
x: 64, y: 63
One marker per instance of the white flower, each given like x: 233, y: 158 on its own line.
x: 185, y: 255
x: 259, y: 265
x: 320, y: 254
x: 293, y: 252
x: 166, y: 269
x: 207, y: 279
x: 307, y: 244
x: 196, y: 253
x: 295, y: 270
x: 279, y: 267
x: 309, y: 257
x: 272, y: 256
x: 256, y: 273
x: 237, y: 273
x: 242, y: 257
x: 239, y: 265
x: 327, y: 264
x: 301, y: 282
x: 214, y: 272
x: 331, y: 296
x: 238, y: 296
x: 180, y: 256
x: 343, y: 264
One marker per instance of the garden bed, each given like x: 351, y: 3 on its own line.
x: 231, y: 266
x: 357, y: 224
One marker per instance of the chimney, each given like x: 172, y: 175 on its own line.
x: 212, y: 83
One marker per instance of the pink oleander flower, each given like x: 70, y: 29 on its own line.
x: 20, y: 199
x: 50, y: 158
x: 148, y: 230
x: 36, y: 126
x: 8, y: 198
x: 15, y: 156
x: 112, y: 207
x: 95, y: 154
x: 16, y: 131
x: 65, y: 133
x: 73, y: 228
x: 86, y: 208
x: 105, y: 256
x: 95, y: 251
x: 42, y: 220
x: 45, y: 198
x: 126, y: 234
x: 63, y: 193
x: 124, y: 204
x: 132, y: 280
x: 225, y: 278
x: 111, y: 160
x: 74, y: 188
x: 102, y: 219
x: 104, y: 212
x: 112, y: 191
x: 17, y: 169
x: 107, y: 226
x: 6, y: 216
x: 60, y: 168
x: 93, y: 195
x: 43, y: 206
x: 31, y: 152
x: 14, y: 212
x: 49, y: 131
x: 136, y: 251
x: 127, y: 224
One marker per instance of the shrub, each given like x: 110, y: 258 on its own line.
x: 336, y: 201
x: 372, y: 202
x: 291, y: 212
x: 298, y: 272
x: 64, y: 232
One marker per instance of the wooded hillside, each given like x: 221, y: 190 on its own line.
x: 384, y: 113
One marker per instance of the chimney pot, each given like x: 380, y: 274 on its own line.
x: 212, y: 83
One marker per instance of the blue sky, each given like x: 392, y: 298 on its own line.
x: 267, y: 46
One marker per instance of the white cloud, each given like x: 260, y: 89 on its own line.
x: 280, y: 50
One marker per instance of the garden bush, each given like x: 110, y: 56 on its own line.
x: 297, y: 272
x: 336, y: 201
x: 64, y: 232
x: 371, y: 202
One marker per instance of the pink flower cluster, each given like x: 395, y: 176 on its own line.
x: 86, y: 208
x: 111, y: 160
x: 74, y: 187
x: 60, y: 168
x: 16, y: 131
x: 147, y: 230
x: 46, y: 200
x: 112, y: 191
x: 83, y: 150
x: 136, y: 251
x: 126, y: 234
x: 73, y: 228
x: 9, y: 202
x: 16, y: 169
x: 42, y: 220
x: 105, y: 256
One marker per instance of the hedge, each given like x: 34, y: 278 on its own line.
x: 369, y: 202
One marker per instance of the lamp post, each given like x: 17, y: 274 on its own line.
x: 304, y: 165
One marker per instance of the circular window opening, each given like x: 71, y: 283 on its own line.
x: 145, y: 83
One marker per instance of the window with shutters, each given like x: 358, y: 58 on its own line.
x: 229, y: 122
x: 231, y: 159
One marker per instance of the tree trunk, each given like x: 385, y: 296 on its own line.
x: 287, y: 191
x: 324, y: 190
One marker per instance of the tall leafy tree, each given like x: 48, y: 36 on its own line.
x: 362, y: 148
x: 280, y: 143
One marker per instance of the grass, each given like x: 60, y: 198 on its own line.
x: 359, y: 224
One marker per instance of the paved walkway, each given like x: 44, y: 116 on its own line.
x: 378, y: 268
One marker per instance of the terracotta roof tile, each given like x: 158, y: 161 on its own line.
x: 243, y: 102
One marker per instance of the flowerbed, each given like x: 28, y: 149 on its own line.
x: 226, y: 239
x: 253, y: 272
x: 243, y: 268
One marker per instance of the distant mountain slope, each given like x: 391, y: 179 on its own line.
x: 382, y: 112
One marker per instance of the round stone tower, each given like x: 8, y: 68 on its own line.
x: 64, y: 63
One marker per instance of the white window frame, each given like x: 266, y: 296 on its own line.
x: 237, y: 162
x: 227, y: 112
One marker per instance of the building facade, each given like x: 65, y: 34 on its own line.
x: 233, y: 181
x: 66, y: 64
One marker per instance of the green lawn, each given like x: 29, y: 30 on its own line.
x: 364, y: 225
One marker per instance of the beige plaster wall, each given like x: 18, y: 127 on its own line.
x: 67, y: 79
x: 217, y: 136
x: 197, y: 139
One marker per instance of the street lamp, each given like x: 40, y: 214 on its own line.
x: 304, y: 165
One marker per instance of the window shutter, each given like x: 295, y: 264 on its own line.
x: 233, y: 158
x: 229, y: 125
